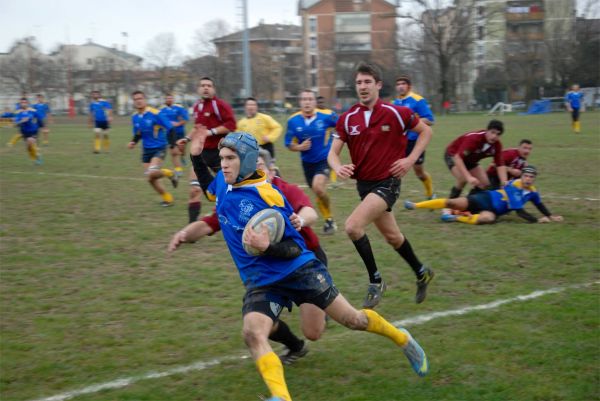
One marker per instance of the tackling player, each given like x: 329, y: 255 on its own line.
x: 464, y: 153
x: 514, y: 160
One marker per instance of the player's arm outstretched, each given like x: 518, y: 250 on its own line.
x: 191, y: 233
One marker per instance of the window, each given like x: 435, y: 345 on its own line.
x: 313, y: 79
x: 353, y: 41
x: 313, y: 43
x: 313, y: 61
x: 89, y: 61
x: 480, y: 32
x: 312, y: 24
x: 353, y: 22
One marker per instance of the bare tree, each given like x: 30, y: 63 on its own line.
x: 162, y: 54
x: 202, y: 43
x: 440, y: 36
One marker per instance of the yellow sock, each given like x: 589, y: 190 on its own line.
x: 379, y: 325
x: 97, y: 145
x: 106, y: 143
x: 323, y: 205
x: 576, y: 127
x: 31, y: 152
x: 166, y: 172
x: 270, y: 368
x: 428, y: 184
x: 432, y: 204
x: 472, y: 219
x: 13, y: 141
x: 167, y: 197
x: 178, y: 170
x: 333, y: 176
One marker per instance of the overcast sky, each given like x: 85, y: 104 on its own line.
x: 61, y: 21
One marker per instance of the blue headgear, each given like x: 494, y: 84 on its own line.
x: 246, y: 147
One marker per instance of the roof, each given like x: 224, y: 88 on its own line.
x: 112, y: 50
x: 265, y: 32
x: 303, y: 4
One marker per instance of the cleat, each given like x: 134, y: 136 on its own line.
x: 415, y: 354
x: 96, y: 152
x: 409, y: 205
x: 448, y: 218
x: 330, y: 227
x: 166, y: 204
x: 174, y: 180
x: 422, y: 285
x: 38, y: 161
x: 374, y: 293
x: 434, y: 196
x: 288, y: 357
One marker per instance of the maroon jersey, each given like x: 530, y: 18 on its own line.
x: 512, y: 159
x: 377, y: 141
x: 472, y: 147
x: 297, y: 199
x: 213, y: 113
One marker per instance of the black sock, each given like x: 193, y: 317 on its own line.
x: 406, y: 251
x: 363, y: 246
x: 193, y: 211
x: 284, y: 335
x: 454, y: 193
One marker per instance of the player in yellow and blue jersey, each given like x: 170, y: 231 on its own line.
x: 15, y: 138
x: 308, y: 133
x: 45, y: 115
x: 179, y: 116
x: 418, y: 104
x: 284, y: 273
x: 485, y: 206
x: 101, y: 116
x: 27, y: 119
x: 574, y: 104
x: 150, y: 126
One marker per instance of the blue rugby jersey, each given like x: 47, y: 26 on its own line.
x: 236, y: 204
x: 31, y: 125
x: 176, y: 113
x: 42, y: 109
x: 99, y: 109
x: 513, y: 197
x: 418, y: 105
x: 151, y: 126
x: 315, y: 128
x: 574, y: 99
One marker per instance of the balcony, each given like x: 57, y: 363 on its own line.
x: 536, y: 16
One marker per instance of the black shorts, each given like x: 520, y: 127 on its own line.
x: 409, y: 148
x: 149, y: 153
x: 312, y: 169
x: 102, y: 125
x: 41, y: 123
x: 311, y: 284
x: 479, y: 202
x: 450, y: 163
x: 388, y: 190
x: 575, y: 114
x: 494, y: 181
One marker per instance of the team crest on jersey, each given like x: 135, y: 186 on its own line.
x: 385, y: 128
x: 320, y: 124
x: 246, y: 208
x: 354, y: 130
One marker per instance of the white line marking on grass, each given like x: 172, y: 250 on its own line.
x: 202, y: 365
x: 339, y: 186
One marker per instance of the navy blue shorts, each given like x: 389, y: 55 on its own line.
x: 41, y: 123
x: 409, y: 148
x: 149, y: 153
x: 575, y: 115
x: 312, y: 169
x: 479, y: 202
x: 102, y: 125
x: 311, y: 284
x: 173, y: 136
x: 26, y: 135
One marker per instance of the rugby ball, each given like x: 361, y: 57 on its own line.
x: 274, y: 222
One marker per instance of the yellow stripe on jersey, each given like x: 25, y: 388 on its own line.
x: 270, y: 195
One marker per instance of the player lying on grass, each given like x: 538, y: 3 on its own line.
x: 313, y: 318
x: 285, y: 272
x: 486, y: 206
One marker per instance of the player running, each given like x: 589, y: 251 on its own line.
x: 27, y: 119
x: 101, y: 116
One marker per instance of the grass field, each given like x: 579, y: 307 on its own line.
x: 89, y: 296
